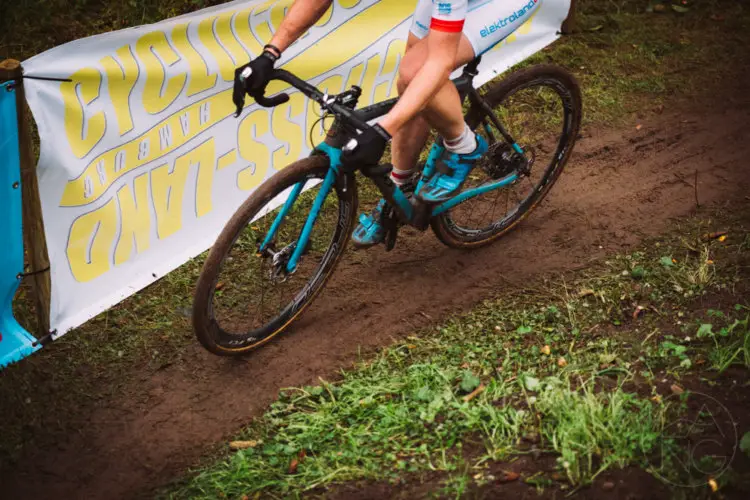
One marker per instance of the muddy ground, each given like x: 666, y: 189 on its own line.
x: 620, y: 187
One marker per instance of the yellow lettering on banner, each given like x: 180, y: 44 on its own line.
x: 368, y: 83
x: 168, y: 192
x: 260, y: 9
x: 228, y: 41
x: 245, y: 33
x: 83, y: 132
x: 155, y: 53
x: 206, y: 35
x: 395, y: 50
x: 226, y: 160
x: 122, y: 74
x: 317, y: 134
x: 251, y: 129
x: 205, y: 157
x: 332, y: 51
x: 201, y: 78
x: 90, y: 242
x: 163, y: 138
x: 288, y: 131
x: 135, y: 220
x: 355, y: 76
x: 349, y: 39
x: 278, y: 12
x: 325, y: 17
x: 263, y: 31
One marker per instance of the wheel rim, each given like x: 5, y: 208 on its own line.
x: 538, y: 115
x: 253, y: 297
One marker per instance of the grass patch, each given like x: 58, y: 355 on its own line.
x: 624, y: 57
x: 573, y: 367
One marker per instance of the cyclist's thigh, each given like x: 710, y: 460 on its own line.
x: 490, y: 21
x: 416, y: 45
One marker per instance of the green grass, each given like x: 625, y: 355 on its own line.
x: 628, y: 60
x: 538, y: 367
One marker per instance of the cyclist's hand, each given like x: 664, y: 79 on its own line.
x: 370, y: 147
x: 255, y: 84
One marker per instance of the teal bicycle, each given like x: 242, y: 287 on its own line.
x: 277, y: 252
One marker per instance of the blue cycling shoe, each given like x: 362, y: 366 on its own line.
x: 369, y: 231
x: 451, y: 171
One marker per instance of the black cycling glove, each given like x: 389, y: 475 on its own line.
x: 255, y: 84
x: 369, y: 148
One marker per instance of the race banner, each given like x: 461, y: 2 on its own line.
x: 142, y: 160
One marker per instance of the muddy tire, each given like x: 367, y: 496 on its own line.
x: 223, y: 324
x: 556, y: 83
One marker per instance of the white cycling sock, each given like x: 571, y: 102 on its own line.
x: 400, y: 177
x: 463, y: 144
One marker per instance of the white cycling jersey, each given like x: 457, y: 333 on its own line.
x: 484, y: 22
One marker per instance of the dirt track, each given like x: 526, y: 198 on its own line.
x: 620, y: 187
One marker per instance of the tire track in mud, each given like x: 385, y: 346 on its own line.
x: 619, y: 187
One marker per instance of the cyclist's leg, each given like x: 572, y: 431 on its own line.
x: 409, y: 141
x: 486, y: 25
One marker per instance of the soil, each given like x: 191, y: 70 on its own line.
x: 620, y: 186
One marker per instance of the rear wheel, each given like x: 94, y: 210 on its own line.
x: 541, y: 109
x: 245, y: 296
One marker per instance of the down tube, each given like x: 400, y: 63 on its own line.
x: 325, y: 190
x: 471, y: 193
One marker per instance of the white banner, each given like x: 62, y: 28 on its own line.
x: 142, y: 161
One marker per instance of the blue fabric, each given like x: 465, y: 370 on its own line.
x: 369, y: 232
x: 15, y: 342
x: 443, y: 186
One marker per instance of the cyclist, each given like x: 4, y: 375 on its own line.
x: 445, y: 34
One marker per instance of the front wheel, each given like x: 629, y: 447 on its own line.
x: 540, y: 107
x: 245, y: 295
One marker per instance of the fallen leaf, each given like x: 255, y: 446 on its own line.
x: 638, y: 127
x: 585, y: 293
x: 508, y: 476
x: 680, y: 9
x: 476, y: 392
x: 608, y: 486
x: 242, y: 445
x: 531, y: 383
x: 713, y: 484
x: 659, y: 7
x: 561, y: 362
x: 293, y: 466
x: 219, y: 286
x: 723, y: 238
x: 638, y: 312
x: 676, y: 389
x: 546, y: 350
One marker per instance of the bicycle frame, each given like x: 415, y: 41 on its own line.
x: 413, y: 213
